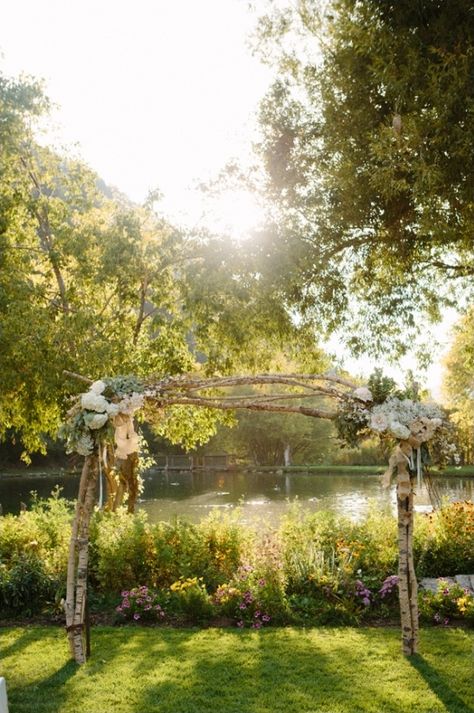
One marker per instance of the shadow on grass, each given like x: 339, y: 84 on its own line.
x: 37, y: 697
x: 439, y: 686
x: 289, y: 672
x: 25, y: 638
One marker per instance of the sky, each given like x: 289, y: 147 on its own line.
x: 154, y: 94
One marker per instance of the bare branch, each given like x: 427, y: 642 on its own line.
x: 225, y: 405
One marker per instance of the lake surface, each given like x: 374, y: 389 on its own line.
x: 260, y: 496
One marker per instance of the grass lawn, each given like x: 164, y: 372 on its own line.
x: 141, y: 670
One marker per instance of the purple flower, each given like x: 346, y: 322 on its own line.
x: 366, y: 601
x: 261, y: 582
x: 136, y: 616
x: 446, y: 621
x: 126, y: 604
x: 157, y: 607
x: 119, y: 609
x: 240, y: 624
x: 125, y: 593
x: 257, y: 625
x: 437, y: 618
x: 266, y: 618
x: 242, y: 606
x: 388, y: 585
x: 257, y: 614
x: 148, y: 607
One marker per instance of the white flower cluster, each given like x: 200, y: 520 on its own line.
x: 94, y: 400
x: 405, y: 418
x: 97, y: 410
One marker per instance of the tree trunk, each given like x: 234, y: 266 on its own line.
x: 76, y: 589
x: 129, y: 468
x: 407, y: 584
x: 287, y: 455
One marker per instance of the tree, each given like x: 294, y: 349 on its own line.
x: 458, y: 383
x: 88, y: 278
x: 274, y: 438
x: 368, y: 154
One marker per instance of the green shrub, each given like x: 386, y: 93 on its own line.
x: 33, y: 556
x: 26, y: 587
x: 122, y: 551
x: 316, y: 568
x: 444, y: 541
x: 211, y: 550
x: 188, y: 600
x: 43, y: 530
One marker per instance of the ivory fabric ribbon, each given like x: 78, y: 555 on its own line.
x: 126, y: 438
x: 400, y: 459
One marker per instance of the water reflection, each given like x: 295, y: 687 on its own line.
x: 259, y: 495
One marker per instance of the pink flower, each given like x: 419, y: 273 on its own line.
x: 257, y: 625
x: 125, y: 593
x: 119, y: 609
x: 240, y: 624
x: 136, y: 616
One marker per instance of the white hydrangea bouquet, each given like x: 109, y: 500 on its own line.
x: 380, y: 409
x: 104, y: 413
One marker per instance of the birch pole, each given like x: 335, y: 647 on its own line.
x: 76, y: 587
x: 407, y: 583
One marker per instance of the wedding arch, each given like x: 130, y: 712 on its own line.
x: 101, y: 428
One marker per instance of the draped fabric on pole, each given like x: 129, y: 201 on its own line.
x: 101, y: 427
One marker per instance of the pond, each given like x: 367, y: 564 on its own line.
x: 260, y: 496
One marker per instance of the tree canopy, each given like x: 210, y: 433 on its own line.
x: 458, y: 382
x: 368, y: 154
x: 91, y: 283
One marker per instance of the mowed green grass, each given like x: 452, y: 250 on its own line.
x: 134, y: 670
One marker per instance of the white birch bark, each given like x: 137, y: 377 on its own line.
x: 76, y: 588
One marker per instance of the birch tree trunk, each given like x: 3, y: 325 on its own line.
x: 407, y: 584
x: 76, y: 588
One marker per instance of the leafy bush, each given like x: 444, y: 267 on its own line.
x: 444, y: 541
x: 44, y: 530
x: 188, y: 600
x: 33, y: 556
x: 122, y: 551
x: 26, y: 587
x: 316, y: 568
